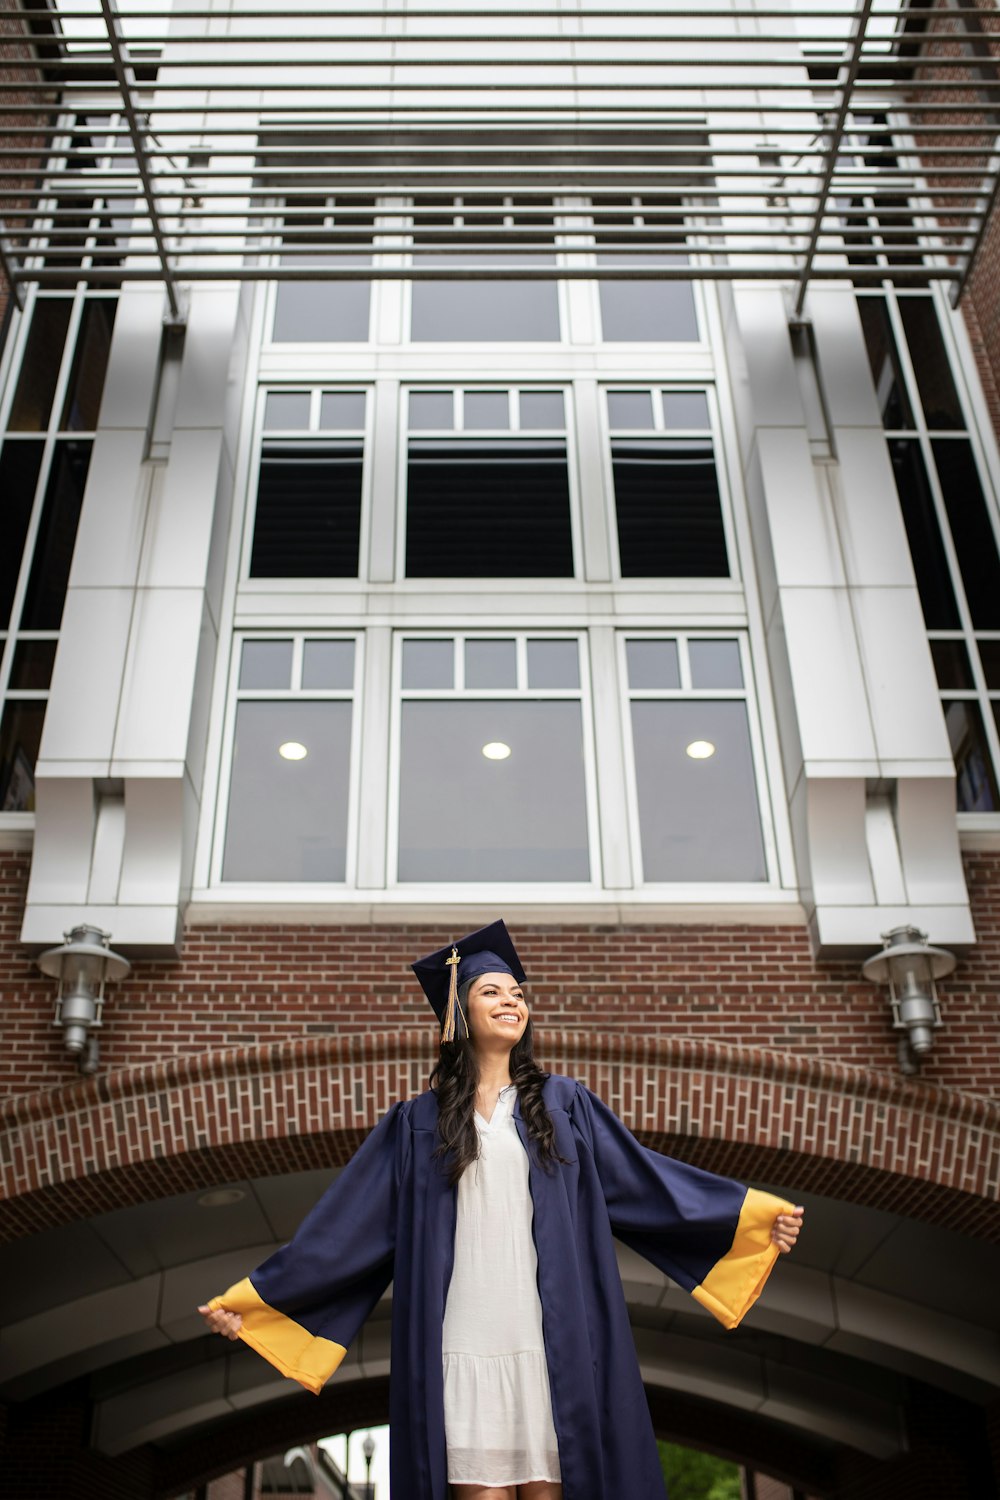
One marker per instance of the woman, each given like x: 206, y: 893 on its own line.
x: 490, y: 1201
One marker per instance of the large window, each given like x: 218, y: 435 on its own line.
x: 323, y: 311
x: 646, y: 309
x: 492, y: 760
x: 289, y: 788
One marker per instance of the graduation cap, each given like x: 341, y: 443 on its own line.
x: 441, y: 974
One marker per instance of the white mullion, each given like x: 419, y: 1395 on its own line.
x: 297, y: 655
x: 315, y: 398
x: 628, y: 750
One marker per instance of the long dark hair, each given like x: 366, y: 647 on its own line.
x: 455, y: 1080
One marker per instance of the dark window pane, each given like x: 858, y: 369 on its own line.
x: 989, y: 655
x: 883, y: 356
x: 698, y: 815
x: 653, y: 664
x: 328, y: 664
x: 490, y: 664
x: 36, y: 383
x: 46, y: 594
x: 32, y: 665
x: 482, y: 511
x: 976, y: 783
x: 19, y: 465
x: 553, y: 664
x: 487, y: 310
x: 429, y: 664
x: 646, y: 311
x: 20, y: 736
x: 973, y: 535
x: 90, y: 364
x: 951, y: 663
x: 322, y: 311
x: 669, y: 514
x: 288, y: 816
x: 715, y: 664
x: 288, y: 410
x: 308, y: 518
x: 924, y: 536
x: 930, y: 363
x: 266, y: 664
x: 464, y: 817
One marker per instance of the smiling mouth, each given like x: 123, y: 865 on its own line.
x: 509, y: 1018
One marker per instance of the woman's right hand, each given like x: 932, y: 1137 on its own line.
x: 220, y: 1320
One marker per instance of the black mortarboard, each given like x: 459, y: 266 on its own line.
x: 488, y: 951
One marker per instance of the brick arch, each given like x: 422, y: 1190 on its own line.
x: 815, y: 1125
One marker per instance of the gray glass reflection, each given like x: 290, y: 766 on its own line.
x: 342, y: 411
x: 495, y: 311
x: 464, y: 817
x: 288, y: 818
x: 266, y: 664
x: 685, y: 411
x: 487, y: 411
x: 653, y: 664
x: 286, y: 410
x: 490, y: 664
x: 542, y: 411
x: 428, y: 664
x: 553, y: 664
x: 328, y: 664
x: 645, y: 311
x: 310, y: 312
x: 698, y: 818
x: 630, y: 409
x: 715, y: 664
x: 432, y: 410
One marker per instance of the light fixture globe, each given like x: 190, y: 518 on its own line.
x: 910, y: 966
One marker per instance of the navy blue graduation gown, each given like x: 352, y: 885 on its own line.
x: 390, y: 1216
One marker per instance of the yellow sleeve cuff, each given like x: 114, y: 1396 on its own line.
x: 292, y: 1349
x: 735, y: 1282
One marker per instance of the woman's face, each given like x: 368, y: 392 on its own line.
x: 496, y: 1011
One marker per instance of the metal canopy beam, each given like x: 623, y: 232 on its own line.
x: 259, y: 141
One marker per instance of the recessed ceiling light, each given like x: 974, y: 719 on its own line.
x: 292, y: 750
x: 496, y: 750
x: 221, y: 1197
x: 700, y: 749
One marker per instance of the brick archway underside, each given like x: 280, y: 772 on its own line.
x: 817, y: 1126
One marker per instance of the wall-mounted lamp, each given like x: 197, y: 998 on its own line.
x: 82, y: 964
x: 910, y: 967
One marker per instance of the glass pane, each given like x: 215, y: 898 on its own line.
x: 494, y: 311
x: 288, y: 793
x: 266, y: 664
x: 428, y: 664
x: 976, y: 783
x: 36, y: 383
x: 930, y: 363
x: 322, y: 311
x: 715, y: 664
x: 668, y: 509
x: 32, y: 665
x: 553, y: 664
x: 46, y: 593
x: 698, y: 813
x: 630, y: 409
x: 647, y: 311
x: 653, y: 664
x: 883, y: 357
x: 328, y: 664
x: 19, y: 465
x: 542, y: 410
x: 685, y: 410
x: 342, y: 411
x: 951, y: 663
x: 432, y: 410
x: 989, y: 655
x: 490, y: 664
x: 90, y: 365
x: 487, y: 411
x: 20, y: 737
x: 464, y: 816
x: 287, y: 409
x: 307, y: 522
x: 930, y: 565
x: 483, y: 510
x: 973, y: 535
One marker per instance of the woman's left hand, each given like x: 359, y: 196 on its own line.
x: 785, y: 1229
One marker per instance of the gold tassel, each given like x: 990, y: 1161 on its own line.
x: 448, y: 1025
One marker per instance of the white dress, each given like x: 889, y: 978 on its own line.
x: 497, y: 1408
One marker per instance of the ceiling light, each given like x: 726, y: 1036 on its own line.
x: 496, y: 750
x: 221, y: 1197
x: 700, y: 749
x: 292, y: 750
